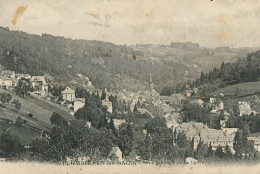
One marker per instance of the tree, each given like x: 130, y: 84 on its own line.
x: 135, y: 108
x: 125, y: 139
x: 111, y: 126
x: 194, y: 112
x: 202, y: 150
x: 5, y: 97
x: 103, y: 95
x: 57, y: 119
x: 40, y: 148
x: 10, y: 146
x: 17, y: 104
x: 219, y: 152
x: 228, y: 152
x: 24, y: 87
x: 181, y: 140
x: 19, y: 121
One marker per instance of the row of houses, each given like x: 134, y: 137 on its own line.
x: 10, y: 79
x: 69, y: 95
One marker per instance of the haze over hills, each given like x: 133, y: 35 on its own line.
x: 108, y: 65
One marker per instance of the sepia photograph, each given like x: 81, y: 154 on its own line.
x: 129, y: 86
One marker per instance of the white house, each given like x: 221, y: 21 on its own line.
x: 78, y: 103
x: 68, y: 94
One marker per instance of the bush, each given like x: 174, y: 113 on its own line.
x: 19, y: 121
x: 17, y: 104
x: 5, y: 97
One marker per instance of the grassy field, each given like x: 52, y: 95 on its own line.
x: 244, y: 88
x: 41, y: 110
x: 40, y: 168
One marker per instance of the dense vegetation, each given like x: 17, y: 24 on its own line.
x: 64, y: 58
x: 243, y: 70
x: 140, y: 135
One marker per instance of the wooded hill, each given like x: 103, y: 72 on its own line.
x: 241, y: 71
x: 104, y: 63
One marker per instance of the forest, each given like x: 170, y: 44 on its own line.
x: 63, y: 58
x: 241, y: 71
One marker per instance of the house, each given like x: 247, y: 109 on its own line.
x: 144, y: 111
x: 20, y: 76
x: 198, y: 132
x: 256, y: 141
x: 216, y: 105
x: 171, y: 120
x: 39, y: 85
x: 177, y: 99
x: 6, y: 82
x: 198, y: 101
x: 230, y: 131
x: 78, y: 103
x: 88, y: 124
x: 244, y: 108
x: 68, y: 94
x: 188, y: 93
x: 108, y: 104
x: 118, y: 122
x: 7, y: 73
x: 190, y: 160
x: 255, y: 138
x: 195, y: 91
x: 116, y: 154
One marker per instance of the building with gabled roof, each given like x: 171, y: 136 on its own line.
x: 68, y: 94
x: 116, y: 154
x: 198, y: 132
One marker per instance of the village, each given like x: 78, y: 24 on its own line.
x: 150, y: 102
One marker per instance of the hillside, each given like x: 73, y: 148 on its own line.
x: 249, y: 88
x: 103, y: 63
x: 39, y: 108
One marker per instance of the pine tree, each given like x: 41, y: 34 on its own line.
x: 103, y: 95
x: 111, y: 126
x: 135, y: 108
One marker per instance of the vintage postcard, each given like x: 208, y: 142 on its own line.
x: 129, y: 86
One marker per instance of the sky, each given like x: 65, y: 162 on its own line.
x: 211, y: 23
